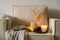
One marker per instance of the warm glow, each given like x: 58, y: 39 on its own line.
x: 44, y: 28
x: 31, y: 29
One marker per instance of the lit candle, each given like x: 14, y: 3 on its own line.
x: 44, y: 28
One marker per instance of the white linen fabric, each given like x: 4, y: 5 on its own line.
x: 16, y: 35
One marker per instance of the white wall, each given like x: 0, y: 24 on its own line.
x: 6, y: 5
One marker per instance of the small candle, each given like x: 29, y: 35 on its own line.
x: 44, y: 28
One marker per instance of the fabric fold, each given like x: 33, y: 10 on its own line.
x: 16, y: 35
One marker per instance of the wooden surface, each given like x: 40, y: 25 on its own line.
x: 2, y: 28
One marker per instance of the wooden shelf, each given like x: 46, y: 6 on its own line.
x: 32, y: 33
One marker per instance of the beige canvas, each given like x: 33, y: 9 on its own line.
x: 27, y: 14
